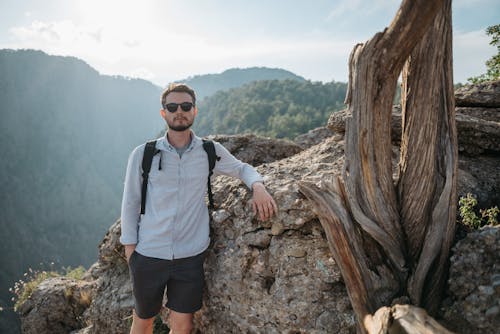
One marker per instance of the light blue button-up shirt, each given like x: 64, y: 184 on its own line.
x: 176, y: 221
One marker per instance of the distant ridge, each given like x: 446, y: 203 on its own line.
x: 208, y: 84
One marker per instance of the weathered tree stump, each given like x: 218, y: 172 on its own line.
x: 391, y: 238
x: 402, y: 319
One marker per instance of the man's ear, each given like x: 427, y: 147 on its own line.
x: 195, y: 111
x: 163, y: 113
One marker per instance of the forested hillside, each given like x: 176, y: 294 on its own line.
x: 208, y: 84
x: 65, y: 136
x: 281, y: 109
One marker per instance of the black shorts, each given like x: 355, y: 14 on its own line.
x: 183, y: 278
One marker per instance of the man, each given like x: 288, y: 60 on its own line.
x: 165, y: 246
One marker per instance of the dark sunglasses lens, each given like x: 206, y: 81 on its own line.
x: 186, y: 106
x: 172, y: 107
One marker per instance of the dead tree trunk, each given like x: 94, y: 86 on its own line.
x: 428, y: 163
x: 390, y: 241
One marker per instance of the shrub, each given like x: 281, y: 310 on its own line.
x: 24, y: 287
x: 468, y: 214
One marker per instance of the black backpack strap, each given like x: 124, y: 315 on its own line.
x: 209, y: 147
x: 149, y: 152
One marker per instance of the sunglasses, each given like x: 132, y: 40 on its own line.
x: 185, y: 106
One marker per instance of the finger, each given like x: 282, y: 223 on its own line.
x: 254, y: 208
x: 262, y: 212
x: 269, y: 209
x: 265, y: 209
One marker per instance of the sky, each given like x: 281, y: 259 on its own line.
x: 163, y: 40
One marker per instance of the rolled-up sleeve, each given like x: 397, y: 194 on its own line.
x: 131, y: 202
x: 229, y: 165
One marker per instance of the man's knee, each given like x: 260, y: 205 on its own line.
x: 181, y: 328
x: 180, y: 323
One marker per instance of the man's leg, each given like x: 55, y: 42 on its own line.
x: 148, y: 285
x: 141, y: 326
x: 180, y: 323
x: 185, y: 292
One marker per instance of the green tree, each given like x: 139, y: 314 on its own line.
x: 492, y: 64
x: 276, y: 108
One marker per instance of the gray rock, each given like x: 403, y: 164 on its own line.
x: 476, y: 136
x: 277, y: 276
x: 487, y: 114
x: 475, y: 267
x: 257, y: 150
x: 111, y: 309
x: 480, y: 176
x: 56, y: 306
x: 313, y: 137
x: 485, y: 94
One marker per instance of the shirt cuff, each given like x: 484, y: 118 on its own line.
x: 128, y: 240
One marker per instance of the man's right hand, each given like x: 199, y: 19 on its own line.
x: 129, y: 249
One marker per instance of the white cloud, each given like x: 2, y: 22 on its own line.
x: 470, y: 52
x: 57, y: 32
x: 161, y: 55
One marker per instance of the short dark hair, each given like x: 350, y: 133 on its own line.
x: 177, y: 87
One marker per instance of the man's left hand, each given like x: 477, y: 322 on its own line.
x: 262, y: 202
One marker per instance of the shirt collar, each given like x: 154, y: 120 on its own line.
x: 163, y: 144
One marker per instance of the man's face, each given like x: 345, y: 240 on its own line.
x: 179, y: 120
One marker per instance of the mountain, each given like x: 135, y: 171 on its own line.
x: 208, y: 84
x: 65, y: 136
x: 274, y: 108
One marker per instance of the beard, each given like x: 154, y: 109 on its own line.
x: 179, y: 127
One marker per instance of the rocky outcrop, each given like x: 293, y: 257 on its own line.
x: 476, y: 136
x: 487, y: 114
x: 56, y: 306
x: 474, y: 284
x: 110, y: 311
x: 277, y: 276
x: 313, y: 137
x: 486, y: 94
x: 264, y: 150
x: 480, y: 176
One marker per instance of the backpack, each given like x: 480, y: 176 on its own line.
x: 150, y: 151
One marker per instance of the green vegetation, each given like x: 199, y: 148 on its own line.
x: 31, y: 280
x: 492, y: 64
x: 159, y: 327
x: 273, y: 108
x: 65, y: 136
x: 467, y: 207
x: 208, y: 84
